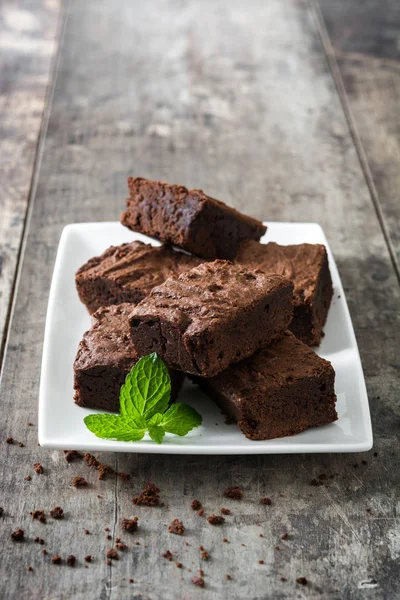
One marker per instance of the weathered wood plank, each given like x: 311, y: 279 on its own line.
x: 27, y: 44
x: 238, y: 100
x: 364, y: 38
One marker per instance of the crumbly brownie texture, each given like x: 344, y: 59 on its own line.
x: 306, y: 265
x: 105, y: 356
x: 127, y: 273
x: 280, y: 390
x: 187, y: 218
x: 211, y: 316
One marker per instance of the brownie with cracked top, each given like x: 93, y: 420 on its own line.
x: 105, y: 356
x: 213, y: 315
x: 306, y: 265
x: 281, y: 390
x: 127, y: 273
x: 187, y: 218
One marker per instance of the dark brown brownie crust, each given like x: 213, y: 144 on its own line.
x: 306, y: 265
x: 187, y: 218
x: 127, y: 273
x: 211, y: 316
x: 105, y: 356
x: 280, y: 390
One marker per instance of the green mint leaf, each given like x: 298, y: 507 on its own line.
x: 147, y: 389
x: 180, y: 419
x: 156, y: 433
x: 108, y: 426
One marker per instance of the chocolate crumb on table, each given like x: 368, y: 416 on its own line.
x: 79, y: 482
x: 266, y: 501
x: 57, y: 513
x: 21, y: 445
x: 121, y: 546
x: 9, y: 440
x: 228, y: 577
x: 38, y: 468
x: 109, y: 537
x: 44, y: 551
x: 176, y: 527
x: 124, y: 476
x: 71, y: 560
x: 205, y: 555
x: 168, y: 555
x: 201, y: 572
x: 56, y: 559
x: 30, y: 569
x: 201, y: 512
x: 225, y: 540
x: 1, y: 511
x: 100, y: 467
x: 38, y: 540
x: 225, y: 511
x: 283, y: 579
x: 285, y: 536
x: 149, y: 496
x: 38, y: 515
x: 196, y: 504
x: 28, y: 478
x: 179, y: 565
x: 89, y: 558
x: 215, y: 519
x: 18, y: 535
x: 302, y: 580
x: 86, y: 531
x: 71, y: 455
x: 234, y: 492
x: 112, y: 554
x: 198, y: 581
x: 129, y: 525
x: 261, y: 562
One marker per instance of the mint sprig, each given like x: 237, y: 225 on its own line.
x: 144, y: 401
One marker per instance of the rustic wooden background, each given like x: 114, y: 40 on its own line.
x: 287, y: 109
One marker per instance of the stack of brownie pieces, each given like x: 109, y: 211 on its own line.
x: 237, y: 316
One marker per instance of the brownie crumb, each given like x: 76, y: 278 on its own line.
x: 129, y: 525
x: 228, y: 577
x: 176, y: 527
x: 225, y: 540
x: 283, y: 579
x: 39, y: 540
x: 44, y: 551
x: 168, y: 555
x: 375, y: 454
x: 21, y: 445
x: 149, y: 496
x: 302, y: 580
x: 215, y: 520
x: 260, y: 562
x: 266, y: 501
x: 137, y: 544
x: 106, y: 529
x: 121, y: 546
x: 201, y: 512
x: 131, y: 581
x: 57, y: 513
x: 28, y: 478
x: 38, y: 468
x: 242, y: 544
x: 109, y: 537
x: 205, y: 555
x: 179, y: 565
x: 118, y: 540
x: 201, y: 572
x: 124, y: 477
x: 9, y: 440
x: 101, y: 468
x: 108, y: 562
x: 260, y: 535
x: 316, y: 482
x: 322, y: 476
x: 285, y: 536
x: 79, y: 482
x: 234, y: 492
x: 225, y: 511
x: 56, y: 559
x: 112, y: 554
x: 30, y: 569
x: 88, y: 558
x: 71, y: 455
x: 86, y: 531
x: 38, y: 515
x: 18, y: 535
x: 30, y: 423
x: 364, y: 462
x: 71, y: 560
x: 198, y: 581
x: 1, y: 511
x: 196, y: 504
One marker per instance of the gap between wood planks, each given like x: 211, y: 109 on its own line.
x: 362, y: 157
x: 60, y: 33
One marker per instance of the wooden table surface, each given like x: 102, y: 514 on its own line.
x: 287, y: 110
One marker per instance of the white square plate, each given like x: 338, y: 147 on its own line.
x: 61, y: 421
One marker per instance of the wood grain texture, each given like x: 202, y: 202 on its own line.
x: 237, y: 99
x: 27, y: 44
x: 365, y: 43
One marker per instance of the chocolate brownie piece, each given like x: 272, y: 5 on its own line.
x: 281, y: 390
x: 187, y: 218
x: 213, y: 315
x: 306, y: 265
x: 127, y: 273
x: 105, y: 356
